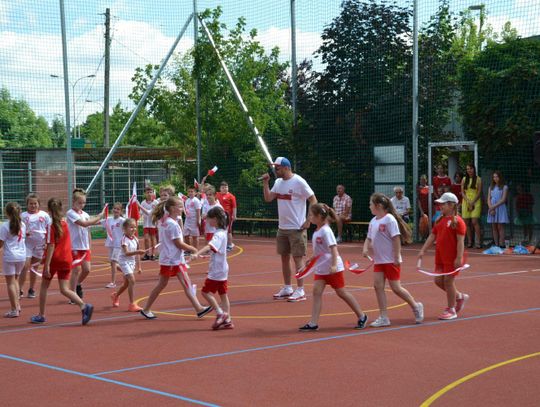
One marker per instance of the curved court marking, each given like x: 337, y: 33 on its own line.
x: 335, y: 314
x: 453, y: 385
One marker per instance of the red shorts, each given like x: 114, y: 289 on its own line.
x: 150, y: 231
x: 79, y: 256
x: 170, y: 271
x: 209, y: 236
x: 445, y: 268
x: 211, y: 286
x: 62, y: 274
x: 335, y: 280
x: 390, y: 270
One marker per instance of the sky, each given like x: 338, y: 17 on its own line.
x: 143, y: 31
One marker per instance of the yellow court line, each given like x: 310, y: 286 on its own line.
x: 267, y: 316
x: 451, y: 386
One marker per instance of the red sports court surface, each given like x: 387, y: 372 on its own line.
x: 489, y: 356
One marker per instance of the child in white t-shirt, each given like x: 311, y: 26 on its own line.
x: 12, y: 239
x: 36, y: 222
x: 329, y: 267
x: 78, y: 222
x: 193, y: 218
x: 384, y: 236
x: 149, y: 227
x: 209, y: 203
x: 218, y: 269
x: 171, y: 256
x: 113, y: 226
x: 127, y: 261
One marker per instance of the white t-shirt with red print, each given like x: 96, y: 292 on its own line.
x: 291, y: 197
x: 322, y: 240
x: 381, y: 232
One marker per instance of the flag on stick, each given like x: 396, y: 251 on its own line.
x: 213, y: 170
x: 132, y: 207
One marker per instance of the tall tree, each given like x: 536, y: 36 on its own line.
x: 19, y: 125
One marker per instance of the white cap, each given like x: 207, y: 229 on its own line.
x: 447, y: 197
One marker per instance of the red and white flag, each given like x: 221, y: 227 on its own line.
x: 196, y: 184
x: 107, y: 225
x: 132, y: 207
x: 213, y: 170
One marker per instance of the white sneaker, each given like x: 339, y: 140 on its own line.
x: 111, y: 285
x: 339, y: 239
x: 283, y: 294
x: 297, y: 295
x: 419, y: 313
x: 380, y: 322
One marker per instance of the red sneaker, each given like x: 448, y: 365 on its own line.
x: 220, y: 320
x: 115, y: 300
x: 449, y: 313
x: 460, y: 302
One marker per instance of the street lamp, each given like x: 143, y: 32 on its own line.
x: 73, y: 97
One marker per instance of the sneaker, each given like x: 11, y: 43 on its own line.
x: 362, y: 322
x: 448, y: 313
x: 111, y: 285
x: 148, y: 314
x: 11, y: 314
x: 115, y: 300
x: 71, y: 302
x: 134, y: 307
x: 37, y: 319
x: 146, y: 257
x: 21, y: 294
x: 419, y: 313
x: 297, y: 295
x: 283, y: 294
x: 380, y: 322
x: 229, y: 248
x: 220, y: 320
x: 339, y: 239
x: 227, y: 325
x: 31, y: 293
x: 460, y: 302
x: 308, y: 327
x: 87, y: 313
x: 79, y: 291
x: 205, y: 311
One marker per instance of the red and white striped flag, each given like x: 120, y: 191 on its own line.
x: 107, y: 225
x: 196, y: 184
x: 132, y: 207
x: 213, y: 170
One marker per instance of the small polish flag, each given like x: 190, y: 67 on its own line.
x: 182, y: 196
x: 132, y: 207
x: 107, y: 225
x: 213, y: 170
x: 196, y: 184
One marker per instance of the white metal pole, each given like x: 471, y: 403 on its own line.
x: 415, y: 116
x: 197, y: 97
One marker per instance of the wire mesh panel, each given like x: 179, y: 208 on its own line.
x: 478, y: 81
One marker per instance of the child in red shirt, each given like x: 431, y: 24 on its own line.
x: 58, y: 260
x: 449, y: 230
x: 228, y: 202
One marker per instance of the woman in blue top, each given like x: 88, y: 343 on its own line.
x: 497, y: 213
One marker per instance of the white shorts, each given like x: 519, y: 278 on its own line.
x: 12, y: 268
x: 191, y: 229
x: 36, y: 250
x: 127, y: 268
x: 114, y: 253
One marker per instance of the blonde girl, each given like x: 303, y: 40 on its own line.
x: 329, y: 267
x: 12, y: 239
x: 449, y: 231
x: 36, y: 222
x: 58, y: 261
x: 386, y: 230
x: 471, y: 190
x: 127, y: 262
x: 171, y: 256
x: 78, y: 222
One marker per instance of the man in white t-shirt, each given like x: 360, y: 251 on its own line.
x: 401, y: 203
x: 291, y: 192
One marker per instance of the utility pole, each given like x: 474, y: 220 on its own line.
x: 197, y: 93
x: 106, y: 94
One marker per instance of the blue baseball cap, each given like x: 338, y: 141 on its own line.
x: 282, y: 161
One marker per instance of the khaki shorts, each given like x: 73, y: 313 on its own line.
x: 293, y: 242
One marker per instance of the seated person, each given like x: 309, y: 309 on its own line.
x: 401, y: 203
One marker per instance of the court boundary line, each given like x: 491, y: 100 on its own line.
x: 107, y: 380
x: 315, y: 340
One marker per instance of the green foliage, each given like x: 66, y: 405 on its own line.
x: 19, y: 125
x: 501, y: 100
